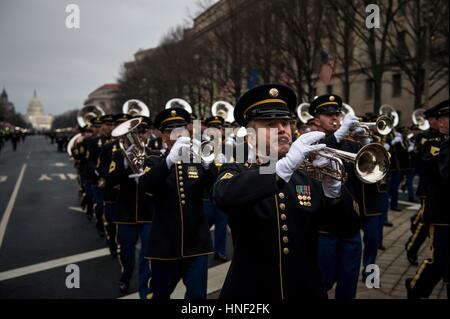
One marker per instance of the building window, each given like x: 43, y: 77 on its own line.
x: 369, y: 89
x: 401, y: 43
x: 396, y: 85
x: 329, y: 89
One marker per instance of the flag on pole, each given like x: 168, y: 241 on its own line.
x: 327, y: 67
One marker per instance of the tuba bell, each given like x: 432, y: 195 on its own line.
x: 224, y: 110
x: 179, y: 103
x: 303, y: 113
x: 419, y: 119
x: 130, y: 143
x: 135, y: 107
x: 388, y: 110
x: 86, y: 114
x: 71, y: 143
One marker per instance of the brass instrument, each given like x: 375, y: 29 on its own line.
x: 135, y: 107
x: 224, y: 110
x: 303, y: 113
x: 72, y: 143
x: 179, y: 103
x: 371, y: 163
x: 88, y: 113
x: 388, y: 110
x: 383, y: 124
x: 130, y: 143
x: 419, y: 119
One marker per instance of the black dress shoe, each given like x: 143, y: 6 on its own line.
x: 388, y: 224
x: 396, y: 209
x: 123, y: 288
x: 221, y: 257
x: 409, y: 292
x: 412, y: 259
x: 382, y: 248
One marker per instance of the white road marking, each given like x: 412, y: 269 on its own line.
x: 59, y: 164
x: 10, y: 206
x: 3, y: 178
x: 27, y: 270
x: 77, y: 209
x: 44, y: 177
x: 216, y: 277
x: 72, y: 176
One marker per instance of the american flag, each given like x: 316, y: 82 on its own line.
x: 327, y: 67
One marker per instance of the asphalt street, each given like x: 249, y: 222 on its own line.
x: 43, y: 229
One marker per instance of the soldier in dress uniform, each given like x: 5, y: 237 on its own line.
x: 133, y: 213
x: 109, y: 190
x: 215, y: 215
x: 274, y: 214
x: 339, y: 249
x: 180, y: 241
x: 432, y: 270
x: 423, y: 144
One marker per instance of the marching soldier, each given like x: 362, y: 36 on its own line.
x: 133, y: 214
x: 432, y: 270
x: 180, y: 241
x: 423, y: 144
x: 339, y: 250
x: 274, y: 214
x: 216, y: 216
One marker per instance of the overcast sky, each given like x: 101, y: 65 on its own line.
x: 37, y: 51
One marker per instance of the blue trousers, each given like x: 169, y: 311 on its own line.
x: 394, y: 184
x: 167, y: 274
x: 371, y: 238
x: 127, y: 236
x: 110, y: 227
x: 220, y: 220
x: 339, y: 262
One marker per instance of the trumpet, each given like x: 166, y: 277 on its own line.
x: 383, y: 125
x: 130, y: 143
x: 371, y: 163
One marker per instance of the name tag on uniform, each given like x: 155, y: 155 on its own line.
x: 192, y: 172
x: 304, y: 195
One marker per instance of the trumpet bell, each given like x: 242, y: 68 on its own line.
x: 224, y: 110
x: 135, y: 107
x: 372, y: 163
x: 179, y: 103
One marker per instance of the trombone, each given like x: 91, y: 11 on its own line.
x: 371, y: 163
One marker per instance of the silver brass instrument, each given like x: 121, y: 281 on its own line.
x: 135, y: 107
x: 130, y: 143
x: 224, y: 110
x: 371, y: 163
x: 303, y: 113
x: 179, y: 103
x: 72, y: 143
x: 383, y: 125
x: 388, y: 110
x: 88, y: 113
x: 419, y: 119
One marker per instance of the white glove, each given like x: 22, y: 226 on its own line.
x: 411, y: 147
x: 397, y: 139
x: 387, y: 147
x: 181, y: 146
x: 286, y: 166
x: 136, y: 176
x: 206, y: 164
x: 221, y: 158
x: 331, y: 187
x: 347, y: 123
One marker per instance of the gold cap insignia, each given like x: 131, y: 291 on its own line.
x: 173, y: 113
x: 332, y: 98
x: 273, y: 92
